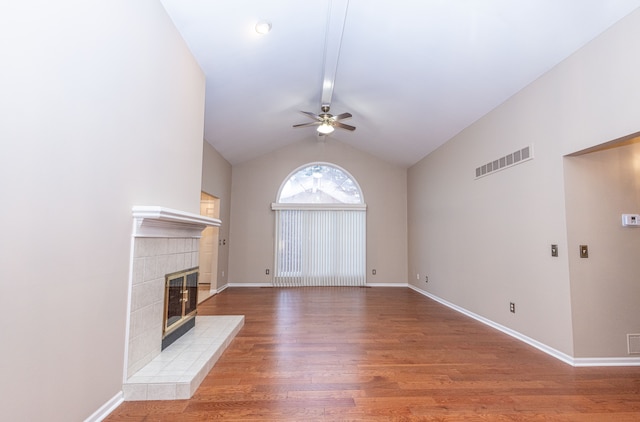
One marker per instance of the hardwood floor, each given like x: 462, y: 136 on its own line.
x: 381, y: 354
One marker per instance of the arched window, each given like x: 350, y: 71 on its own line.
x: 320, y: 183
x: 320, y: 229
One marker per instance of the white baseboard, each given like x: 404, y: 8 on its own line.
x: 249, y: 285
x: 106, y: 408
x: 271, y: 285
x: 584, y: 362
x: 519, y: 336
x: 577, y: 362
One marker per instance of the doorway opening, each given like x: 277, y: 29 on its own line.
x: 208, y: 279
x: 602, y: 184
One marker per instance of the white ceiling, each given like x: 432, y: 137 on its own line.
x: 412, y: 73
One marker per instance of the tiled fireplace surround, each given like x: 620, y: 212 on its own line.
x: 166, y: 241
x: 153, y: 258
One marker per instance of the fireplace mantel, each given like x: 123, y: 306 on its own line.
x: 154, y: 221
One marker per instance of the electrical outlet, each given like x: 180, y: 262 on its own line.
x: 426, y: 278
x: 373, y: 271
x: 512, y: 307
x: 267, y: 271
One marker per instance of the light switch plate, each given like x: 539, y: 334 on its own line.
x: 584, y: 251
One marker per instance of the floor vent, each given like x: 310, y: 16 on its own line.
x: 633, y: 344
x: 510, y: 160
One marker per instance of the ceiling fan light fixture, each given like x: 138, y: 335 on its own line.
x: 263, y: 27
x: 325, y: 128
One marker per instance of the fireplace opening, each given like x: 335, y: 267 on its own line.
x: 180, y: 304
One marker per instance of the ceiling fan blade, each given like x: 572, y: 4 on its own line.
x: 313, y: 116
x: 308, y: 124
x: 342, y: 116
x: 343, y: 126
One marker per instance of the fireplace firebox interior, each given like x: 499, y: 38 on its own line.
x: 180, y: 304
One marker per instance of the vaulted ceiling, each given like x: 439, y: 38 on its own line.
x: 412, y: 73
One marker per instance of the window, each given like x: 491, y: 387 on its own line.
x: 320, y: 184
x: 320, y: 229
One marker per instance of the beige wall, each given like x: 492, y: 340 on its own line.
x: 216, y: 181
x: 102, y: 109
x: 604, y: 287
x: 485, y: 243
x: 255, y: 186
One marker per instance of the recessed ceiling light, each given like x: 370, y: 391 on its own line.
x: 263, y: 27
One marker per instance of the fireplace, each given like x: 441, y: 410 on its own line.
x: 180, y: 304
x: 165, y: 243
x: 164, y: 263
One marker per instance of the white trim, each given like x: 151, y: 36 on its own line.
x: 129, y: 297
x: 519, y: 336
x: 106, y: 408
x: 586, y: 362
x: 249, y: 284
x: 576, y: 362
x: 318, y: 207
x: 213, y: 293
x: 271, y: 285
x: 221, y: 289
x: 153, y: 221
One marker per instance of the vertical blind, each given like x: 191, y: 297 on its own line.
x: 320, y: 247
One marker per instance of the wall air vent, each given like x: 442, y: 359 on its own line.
x: 633, y: 344
x: 510, y: 160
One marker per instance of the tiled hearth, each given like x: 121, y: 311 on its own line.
x: 179, y: 369
x: 166, y: 241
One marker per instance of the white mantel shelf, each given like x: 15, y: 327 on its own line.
x: 154, y: 221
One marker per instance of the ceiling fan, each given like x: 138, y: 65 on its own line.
x: 327, y: 122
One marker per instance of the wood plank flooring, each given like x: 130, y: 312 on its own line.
x: 383, y: 354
